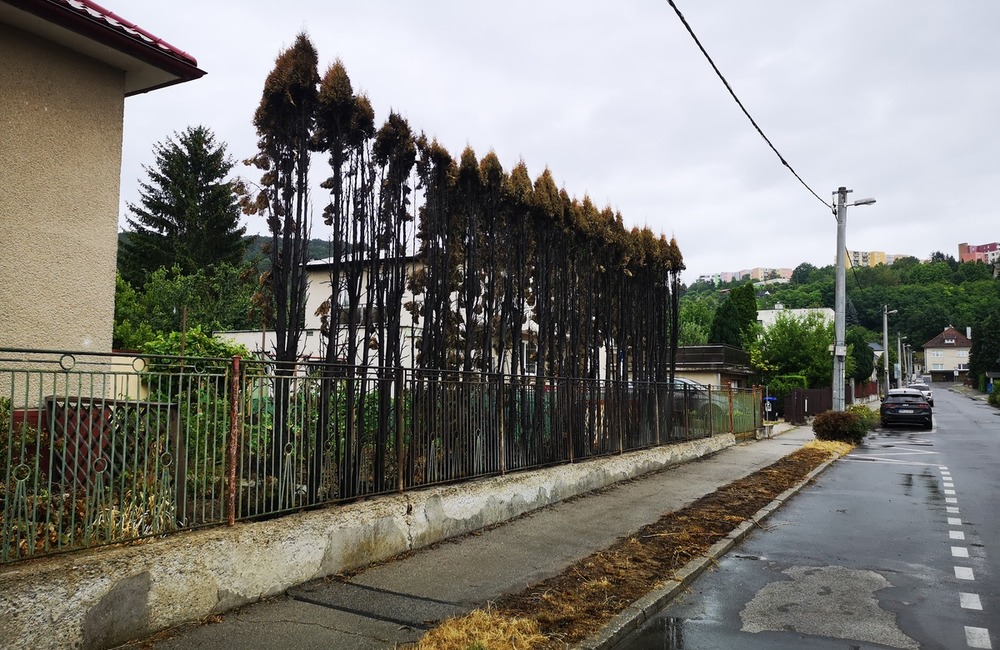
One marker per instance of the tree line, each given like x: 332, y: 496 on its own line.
x: 927, y: 297
x: 507, y: 271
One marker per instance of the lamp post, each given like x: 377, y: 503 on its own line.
x: 899, y: 359
x: 885, y: 344
x: 840, y: 295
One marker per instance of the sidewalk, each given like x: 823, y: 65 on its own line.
x: 398, y: 601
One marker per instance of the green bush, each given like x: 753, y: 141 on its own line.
x: 845, y: 426
x: 869, y: 418
x: 994, y: 397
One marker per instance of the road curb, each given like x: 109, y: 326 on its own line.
x: 652, y: 603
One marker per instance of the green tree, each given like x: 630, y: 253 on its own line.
x: 726, y: 325
x: 187, y: 214
x: 695, y: 320
x: 985, y: 354
x: 170, y: 301
x: 802, y: 273
x: 744, y: 299
x: 861, y: 354
x: 798, y: 346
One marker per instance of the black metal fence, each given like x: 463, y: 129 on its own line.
x: 100, y: 448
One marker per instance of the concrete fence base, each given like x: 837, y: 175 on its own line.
x: 104, y: 597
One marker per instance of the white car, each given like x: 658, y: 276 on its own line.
x: 926, y: 391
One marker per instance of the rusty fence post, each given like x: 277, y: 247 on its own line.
x: 234, y: 434
x: 400, y: 423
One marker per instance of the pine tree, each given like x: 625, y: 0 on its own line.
x: 726, y: 325
x: 188, y: 214
x: 744, y: 298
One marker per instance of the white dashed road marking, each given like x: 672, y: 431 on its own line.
x: 977, y: 637
x: 970, y: 601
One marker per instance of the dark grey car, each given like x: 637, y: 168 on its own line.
x: 905, y: 408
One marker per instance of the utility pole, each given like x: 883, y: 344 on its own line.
x: 840, y: 301
x: 885, y: 344
x: 840, y: 296
x: 899, y: 359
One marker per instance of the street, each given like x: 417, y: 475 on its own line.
x: 895, y: 546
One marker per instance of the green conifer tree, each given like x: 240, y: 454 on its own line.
x: 187, y: 215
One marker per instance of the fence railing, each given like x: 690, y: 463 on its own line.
x: 101, y: 449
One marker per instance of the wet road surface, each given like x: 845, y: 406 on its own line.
x: 895, y: 546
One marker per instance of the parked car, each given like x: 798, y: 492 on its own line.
x: 910, y: 391
x: 706, y: 402
x: 926, y: 391
x: 905, y: 406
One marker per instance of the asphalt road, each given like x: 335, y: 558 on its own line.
x: 895, y: 546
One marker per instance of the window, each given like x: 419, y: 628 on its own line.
x: 937, y: 353
x: 937, y: 366
x: 963, y: 354
x: 950, y: 341
x: 963, y: 366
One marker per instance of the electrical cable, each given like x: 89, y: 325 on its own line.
x: 743, y: 108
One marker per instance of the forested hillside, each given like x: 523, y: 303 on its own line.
x: 318, y: 248
x: 928, y: 296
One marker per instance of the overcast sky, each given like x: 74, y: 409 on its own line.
x: 896, y: 99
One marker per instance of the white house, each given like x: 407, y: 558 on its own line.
x: 767, y: 317
x: 947, y: 355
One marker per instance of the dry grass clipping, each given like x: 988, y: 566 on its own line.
x: 832, y: 446
x: 483, y: 630
x: 577, y: 603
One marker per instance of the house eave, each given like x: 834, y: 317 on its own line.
x: 149, y: 63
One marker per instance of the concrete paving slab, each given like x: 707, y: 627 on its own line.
x: 293, y: 625
x: 381, y: 604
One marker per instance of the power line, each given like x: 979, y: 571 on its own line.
x: 743, y: 108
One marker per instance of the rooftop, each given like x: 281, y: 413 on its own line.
x: 86, y: 27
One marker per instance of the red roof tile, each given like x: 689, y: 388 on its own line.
x: 118, y: 23
x: 94, y: 22
x: 958, y: 340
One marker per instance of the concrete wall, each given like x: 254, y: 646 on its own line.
x: 60, y: 160
x: 104, y: 597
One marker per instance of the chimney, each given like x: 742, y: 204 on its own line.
x: 968, y: 333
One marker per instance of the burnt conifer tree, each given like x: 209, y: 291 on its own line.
x: 285, y: 121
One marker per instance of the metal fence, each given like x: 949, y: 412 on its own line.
x: 100, y: 449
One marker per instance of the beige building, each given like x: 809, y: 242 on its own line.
x: 946, y: 356
x: 65, y: 70
x: 865, y: 258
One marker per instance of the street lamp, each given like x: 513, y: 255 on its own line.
x: 840, y: 295
x: 899, y: 359
x: 885, y: 344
